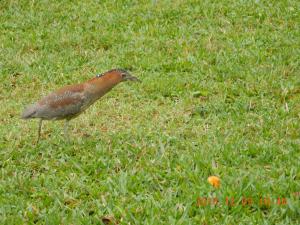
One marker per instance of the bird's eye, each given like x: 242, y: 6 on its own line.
x: 123, y: 75
x: 99, y: 75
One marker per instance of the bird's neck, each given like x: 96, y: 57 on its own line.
x: 97, y: 87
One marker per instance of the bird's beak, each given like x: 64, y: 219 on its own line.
x: 133, y: 78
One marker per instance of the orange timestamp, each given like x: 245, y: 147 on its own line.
x: 244, y: 201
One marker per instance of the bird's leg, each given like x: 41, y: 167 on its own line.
x: 66, y: 130
x: 39, y: 131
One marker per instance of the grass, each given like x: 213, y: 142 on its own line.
x: 220, y: 96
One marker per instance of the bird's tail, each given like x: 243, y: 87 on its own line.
x: 29, y: 112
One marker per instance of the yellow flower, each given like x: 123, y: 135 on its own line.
x: 214, y: 181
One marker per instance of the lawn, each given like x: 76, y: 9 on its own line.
x: 220, y: 95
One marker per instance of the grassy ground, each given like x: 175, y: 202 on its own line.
x: 220, y: 96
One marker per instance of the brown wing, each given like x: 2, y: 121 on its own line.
x: 62, y: 104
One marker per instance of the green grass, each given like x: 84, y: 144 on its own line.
x: 220, y: 95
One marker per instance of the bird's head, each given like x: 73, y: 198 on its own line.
x: 104, y: 82
x: 121, y: 74
x: 126, y: 76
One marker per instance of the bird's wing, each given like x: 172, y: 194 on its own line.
x: 61, y: 105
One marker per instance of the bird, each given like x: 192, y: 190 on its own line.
x: 70, y: 101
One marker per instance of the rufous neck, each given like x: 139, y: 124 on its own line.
x: 101, y: 85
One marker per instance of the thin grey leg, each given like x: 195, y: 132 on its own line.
x: 39, y: 131
x: 66, y: 130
